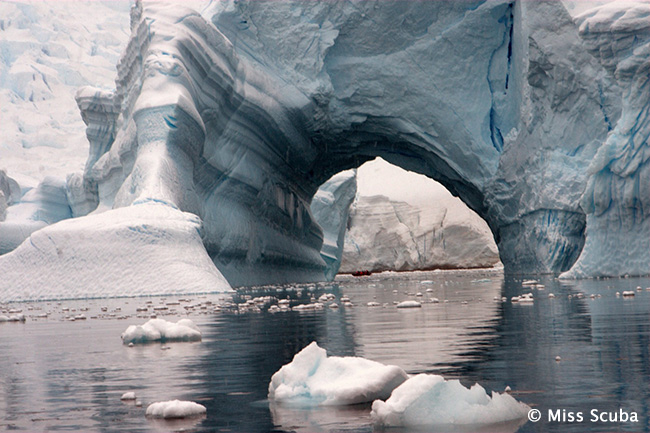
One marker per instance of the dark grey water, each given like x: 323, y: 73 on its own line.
x: 56, y: 374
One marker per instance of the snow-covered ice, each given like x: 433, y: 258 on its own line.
x: 175, y: 409
x: 430, y: 401
x: 161, y: 330
x: 313, y: 379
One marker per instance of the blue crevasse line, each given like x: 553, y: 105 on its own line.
x: 508, y: 21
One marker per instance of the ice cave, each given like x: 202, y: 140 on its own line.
x: 205, y: 159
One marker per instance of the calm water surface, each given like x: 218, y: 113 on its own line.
x: 57, y: 374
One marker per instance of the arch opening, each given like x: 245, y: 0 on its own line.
x: 380, y: 217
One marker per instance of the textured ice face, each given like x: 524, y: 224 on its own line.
x: 430, y: 401
x: 314, y: 379
x: 617, y: 197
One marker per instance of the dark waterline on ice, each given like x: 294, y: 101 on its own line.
x: 62, y: 375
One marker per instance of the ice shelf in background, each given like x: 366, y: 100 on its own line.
x: 404, y: 221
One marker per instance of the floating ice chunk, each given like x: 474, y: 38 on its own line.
x: 409, y: 304
x: 313, y: 378
x: 162, y: 330
x: 175, y: 409
x: 308, y: 307
x: 433, y: 402
x: 128, y: 396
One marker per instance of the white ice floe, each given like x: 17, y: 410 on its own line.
x: 175, y: 409
x: 313, y: 378
x: 128, y: 396
x: 409, y: 304
x: 163, y: 331
x: 435, y: 403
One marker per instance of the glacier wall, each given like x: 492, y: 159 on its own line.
x: 237, y: 115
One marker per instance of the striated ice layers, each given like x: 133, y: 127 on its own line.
x: 232, y: 120
x: 314, y: 379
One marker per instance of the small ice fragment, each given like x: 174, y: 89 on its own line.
x: 175, y: 409
x: 409, y: 304
x: 128, y: 396
x: 163, y: 331
x: 558, y: 359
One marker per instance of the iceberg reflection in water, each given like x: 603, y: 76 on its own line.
x: 64, y: 374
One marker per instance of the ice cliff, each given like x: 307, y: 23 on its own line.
x: 233, y: 118
x: 617, y: 196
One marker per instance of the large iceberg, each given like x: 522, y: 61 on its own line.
x: 234, y: 117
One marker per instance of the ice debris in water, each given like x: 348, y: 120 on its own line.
x: 175, y: 409
x: 431, y: 401
x: 409, y: 304
x: 163, y: 331
x: 313, y: 378
x: 128, y: 396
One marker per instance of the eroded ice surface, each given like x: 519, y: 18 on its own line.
x: 431, y: 401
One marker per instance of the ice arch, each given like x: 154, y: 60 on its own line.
x: 237, y: 115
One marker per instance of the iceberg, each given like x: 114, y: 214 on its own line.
x: 431, y: 402
x: 314, y: 379
x: 232, y: 118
